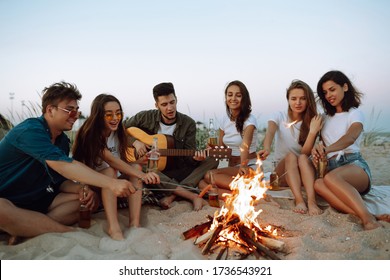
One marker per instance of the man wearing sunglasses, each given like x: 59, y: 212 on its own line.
x: 186, y: 172
x: 39, y: 189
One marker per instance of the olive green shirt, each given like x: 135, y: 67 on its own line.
x: 184, y: 138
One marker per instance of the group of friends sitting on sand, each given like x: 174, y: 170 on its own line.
x: 42, y: 186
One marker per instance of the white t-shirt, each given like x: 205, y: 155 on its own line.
x: 113, y: 146
x: 286, y: 136
x: 233, y: 139
x: 166, y: 129
x: 336, y: 126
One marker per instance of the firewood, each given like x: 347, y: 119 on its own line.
x: 203, y: 238
x: 247, y: 231
x: 212, y: 239
x: 196, y: 230
x: 273, y: 244
x: 221, y: 252
x: 259, y: 247
x: 245, y: 234
x: 234, y: 219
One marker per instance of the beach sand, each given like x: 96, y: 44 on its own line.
x: 330, y: 236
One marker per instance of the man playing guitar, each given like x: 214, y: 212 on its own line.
x: 184, y: 170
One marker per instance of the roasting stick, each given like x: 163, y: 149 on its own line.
x: 168, y: 190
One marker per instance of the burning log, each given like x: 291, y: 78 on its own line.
x: 273, y: 244
x: 221, y: 252
x: 265, y: 239
x: 197, y: 230
x: 247, y: 235
x: 203, y: 238
x: 210, y: 242
x: 251, y: 242
x: 234, y: 219
x: 235, y: 230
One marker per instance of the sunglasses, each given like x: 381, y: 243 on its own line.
x: 110, y: 116
x: 72, y: 113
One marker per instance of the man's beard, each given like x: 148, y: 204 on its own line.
x: 169, y: 119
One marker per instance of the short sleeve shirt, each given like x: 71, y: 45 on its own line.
x: 286, y: 136
x: 233, y: 139
x: 24, y: 174
x: 113, y: 147
x: 336, y: 126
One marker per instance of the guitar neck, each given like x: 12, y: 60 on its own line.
x: 176, y: 152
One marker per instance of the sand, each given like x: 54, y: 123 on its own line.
x: 329, y: 236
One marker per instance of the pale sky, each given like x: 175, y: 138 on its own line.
x: 126, y: 47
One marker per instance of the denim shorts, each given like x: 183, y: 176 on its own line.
x: 352, y: 158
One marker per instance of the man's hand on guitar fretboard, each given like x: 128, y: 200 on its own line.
x: 200, y: 155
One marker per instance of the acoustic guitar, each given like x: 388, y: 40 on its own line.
x: 166, y: 148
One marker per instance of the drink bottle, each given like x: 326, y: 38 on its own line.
x: 153, y: 156
x: 274, y: 178
x: 84, y: 212
x: 212, y: 140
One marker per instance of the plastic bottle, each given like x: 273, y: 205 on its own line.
x: 153, y: 156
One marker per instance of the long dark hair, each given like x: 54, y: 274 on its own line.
x: 246, y: 105
x: 352, y: 97
x: 90, y: 141
x: 309, y: 113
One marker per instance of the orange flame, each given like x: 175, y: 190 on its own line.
x: 246, y: 191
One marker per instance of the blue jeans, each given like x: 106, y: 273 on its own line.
x: 352, y: 158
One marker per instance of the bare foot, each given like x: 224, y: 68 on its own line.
x: 133, y: 224
x: 116, y: 234
x: 371, y: 225
x: 14, y: 240
x: 383, y: 217
x: 300, y: 208
x: 166, y: 202
x: 314, y: 209
x: 198, y: 203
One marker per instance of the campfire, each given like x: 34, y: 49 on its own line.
x: 234, y: 230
